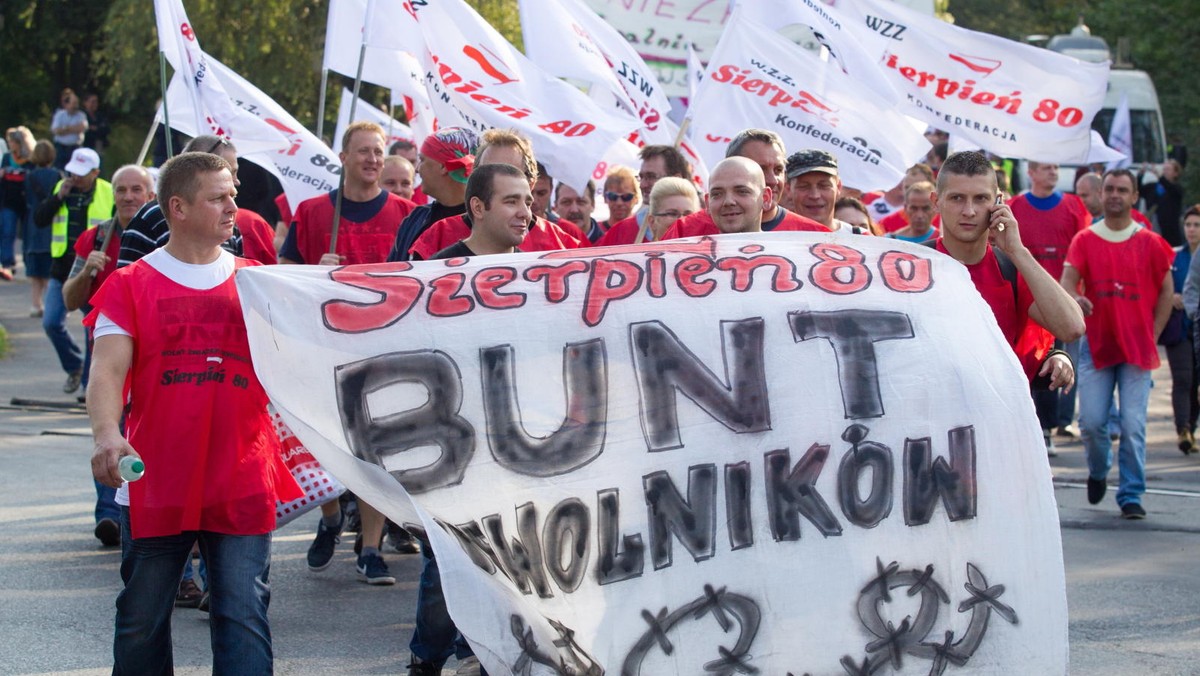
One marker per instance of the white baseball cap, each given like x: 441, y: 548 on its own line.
x: 83, y: 162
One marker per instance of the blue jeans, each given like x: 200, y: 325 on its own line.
x: 238, y: 568
x: 106, y: 503
x: 54, y: 322
x: 435, y: 638
x: 9, y: 221
x: 1095, y: 400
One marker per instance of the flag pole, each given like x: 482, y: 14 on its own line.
x: 149, y: 139
x: 337, y: 203
x: 162, y: 76
x: 321, y: 105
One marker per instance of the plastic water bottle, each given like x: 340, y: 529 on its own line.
x: 131, y: 468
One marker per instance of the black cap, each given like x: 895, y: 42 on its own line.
x: 805, y: 161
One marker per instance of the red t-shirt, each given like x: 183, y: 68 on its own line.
x: 86, y: 244
x: 285, y: 209
x: 366, y: 242
x: 624, y: 231
x: 899, y: 221
x: 700, y: 223
x: 1123, y: 281
x: 1029, y: 341
x: 1047, y: 233
x: 543, y: 236
x: 197, y: 413
x: 258, y: 237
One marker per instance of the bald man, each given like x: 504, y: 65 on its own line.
x: 738, y: 194
x: 737, y: 191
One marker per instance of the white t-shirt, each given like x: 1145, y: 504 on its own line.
x: 199, y: 277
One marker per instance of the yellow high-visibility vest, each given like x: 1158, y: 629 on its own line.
x: 100, y: 210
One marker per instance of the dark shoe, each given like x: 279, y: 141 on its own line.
x: 204, y: 602
x: 402, y: 541
x: 108, y: 532
x: 373, y: 570
x: 1132, y: 511
x: 1096, y: 490
x: 1185, y: 441
x: 189, y: 595
x: 73, y: 380
x: 320, y: 552
x: 419, y: 667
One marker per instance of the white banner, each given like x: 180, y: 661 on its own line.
x: 745, y: 454
x: 365, y: 112
x: 474, y: 71
x: 304, y: 165
x: 1012, y: 99
x: 209, y: 105
x: 757, y: 78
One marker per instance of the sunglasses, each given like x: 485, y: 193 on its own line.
x: 623, y: 196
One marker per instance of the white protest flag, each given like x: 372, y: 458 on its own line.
x: 490, y: 84
x: 1101, y: 153
x: 389, y: 60
x: 1120, y: 134
x: 365, y: 112
x: 382, y: 65
x: 210, y: 107
x: 695, y: 72
x: 304, y: 165
x: 1009, y: 98
x: 566, y: 38
x: 743, y: 454
x: 757, y: 78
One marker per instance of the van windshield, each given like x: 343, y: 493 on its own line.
x: 1147, y: 134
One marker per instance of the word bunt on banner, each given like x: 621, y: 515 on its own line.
x: 770, y: 454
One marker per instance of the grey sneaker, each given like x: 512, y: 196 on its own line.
x: 73, y: 380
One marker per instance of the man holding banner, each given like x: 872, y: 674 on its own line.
x: 765, y: 149
x: 499, y: 204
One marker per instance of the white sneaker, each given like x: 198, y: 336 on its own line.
x: 469, y: 666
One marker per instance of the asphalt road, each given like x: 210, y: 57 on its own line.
x: 1133, y: 588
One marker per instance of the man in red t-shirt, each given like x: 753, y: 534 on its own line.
x: 370, y: 218
x: 764, y: 148
x: 1025, y: 299
x: 502, y: 146
x: 370, y: 215
x: 1120, y: 273
x: 173, y: 357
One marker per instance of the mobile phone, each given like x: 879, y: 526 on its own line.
x: 999, y: 201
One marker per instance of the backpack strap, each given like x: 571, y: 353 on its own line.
x: 1008, y: 269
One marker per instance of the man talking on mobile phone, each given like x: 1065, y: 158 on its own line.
x: 979, y: 231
